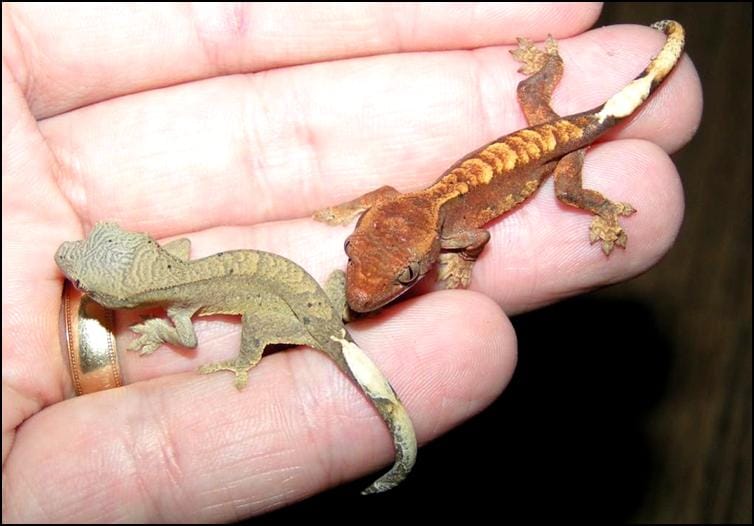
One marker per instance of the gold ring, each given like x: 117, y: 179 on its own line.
x: 89, y: 341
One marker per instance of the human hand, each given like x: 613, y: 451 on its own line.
x: 130, y: 113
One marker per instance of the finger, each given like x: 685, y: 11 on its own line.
x: 326, y: 133
x: 112, y: 50
x: 34, y: 211
x: 193, y: 447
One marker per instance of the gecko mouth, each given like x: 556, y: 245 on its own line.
x: 362, y: 301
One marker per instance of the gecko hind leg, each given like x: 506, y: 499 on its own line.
x: 260, y: 329
x: 545, y: 69
x: 156, y: 331
x: 605, y: 226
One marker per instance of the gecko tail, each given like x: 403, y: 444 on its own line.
x: 634, y: 94
x: 379, y: 391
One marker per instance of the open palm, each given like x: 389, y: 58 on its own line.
x: 232, y: 125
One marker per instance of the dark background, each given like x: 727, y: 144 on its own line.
x: 655, y: 427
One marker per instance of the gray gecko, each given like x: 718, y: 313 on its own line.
x: 277, y: 300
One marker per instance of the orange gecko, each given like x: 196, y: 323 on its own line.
x: 399, y: 237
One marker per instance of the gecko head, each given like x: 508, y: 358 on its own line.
x: 393, y: 245
x: 100, y: 265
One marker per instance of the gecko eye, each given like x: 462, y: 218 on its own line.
x: 409, y: 274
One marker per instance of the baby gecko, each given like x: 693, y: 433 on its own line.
x: 399, y: 237
x: 277, y: 300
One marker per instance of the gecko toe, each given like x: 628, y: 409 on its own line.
x: 609, y: 232
x: 336, y: 215
x: 144, y: 345
x: 532, y: 58
x: 605, y: 226
x: 325, y: 215
x: 242, y: 378
x: 625, y: 209
x: 454, y: 271
x: 241, y: 371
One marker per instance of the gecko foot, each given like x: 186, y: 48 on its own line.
x: 337, y: 215
x: 454, y: 271
x: 531, y: 58
x: 149, y: 340
x: 241, y: 370
x: 344, y: 213
x: 605, y: 226
x: 335, y: 287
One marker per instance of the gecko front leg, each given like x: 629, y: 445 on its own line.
x: 344, y: 213
x: 155, y: 331
x: 545, y: 68
x: 464, y: 247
